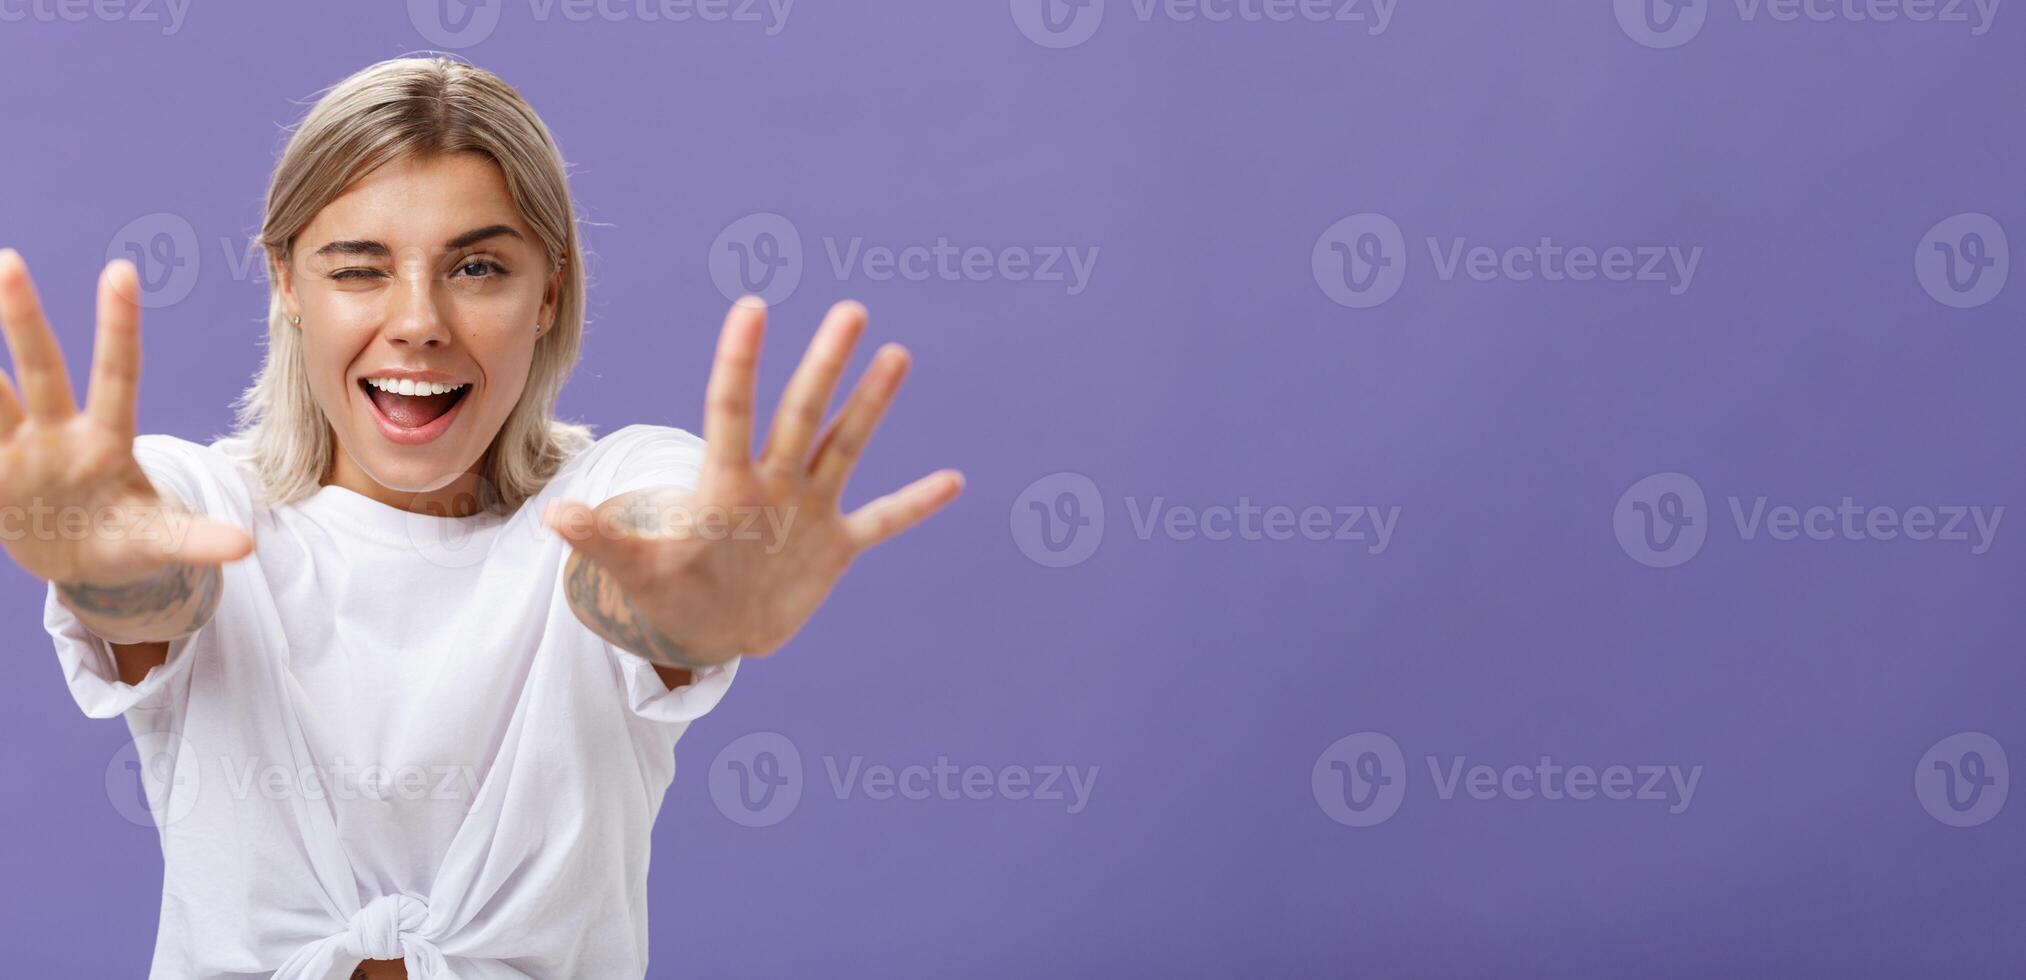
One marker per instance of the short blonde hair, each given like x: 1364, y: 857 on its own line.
x: 390, y: 110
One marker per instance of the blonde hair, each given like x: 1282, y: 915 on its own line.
x: 387, y: 111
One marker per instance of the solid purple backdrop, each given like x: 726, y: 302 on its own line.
x: 1205, y: 362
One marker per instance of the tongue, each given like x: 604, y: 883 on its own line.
x: 411, y: 411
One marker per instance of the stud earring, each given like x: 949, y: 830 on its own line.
x: 296, y: 320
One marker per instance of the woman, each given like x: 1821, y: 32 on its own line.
x: 412, y: 700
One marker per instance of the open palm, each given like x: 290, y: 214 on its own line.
x: 737, y: 565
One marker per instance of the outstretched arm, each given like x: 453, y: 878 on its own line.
x: 692, y: 578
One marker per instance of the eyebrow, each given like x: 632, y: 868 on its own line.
x: 367, y: 247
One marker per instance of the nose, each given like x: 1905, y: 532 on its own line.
x: 415, y: 319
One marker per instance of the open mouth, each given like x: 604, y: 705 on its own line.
x: 412, y: 412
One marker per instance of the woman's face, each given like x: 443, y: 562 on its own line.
x: 422, y: 271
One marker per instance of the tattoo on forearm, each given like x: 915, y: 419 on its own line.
x: 172, y: 601
x: 610, y: 613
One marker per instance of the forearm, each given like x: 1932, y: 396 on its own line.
x: 170, y: 603
x: 607, y: 610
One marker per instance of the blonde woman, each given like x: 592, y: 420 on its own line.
x: 410, y: 654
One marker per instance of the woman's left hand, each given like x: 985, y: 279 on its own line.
x: 737, y: 565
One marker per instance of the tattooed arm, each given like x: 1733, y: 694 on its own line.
x: 140, y: 617
x: 606, y: 608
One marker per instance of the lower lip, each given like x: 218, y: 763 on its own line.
x: 411, y: 437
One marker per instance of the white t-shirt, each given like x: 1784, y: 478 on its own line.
x: 394, y: 740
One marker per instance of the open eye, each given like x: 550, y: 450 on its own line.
x: 478, y: 268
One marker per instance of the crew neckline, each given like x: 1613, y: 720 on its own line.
x: 390, y: 523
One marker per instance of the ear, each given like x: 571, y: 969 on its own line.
x: 552, y: 296
x: 284, y: 284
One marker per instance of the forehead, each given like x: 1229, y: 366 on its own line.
x: 418, y: 201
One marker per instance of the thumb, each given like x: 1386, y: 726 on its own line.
x: 577, y: 523
x: 205, y: 541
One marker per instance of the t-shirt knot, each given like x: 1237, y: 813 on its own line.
x: 376, y: 932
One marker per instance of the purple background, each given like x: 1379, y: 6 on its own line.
x: 1205, y: 678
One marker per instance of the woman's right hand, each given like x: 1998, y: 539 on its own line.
x: 75, y: 506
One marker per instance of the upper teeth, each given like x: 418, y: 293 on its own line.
x: 409, y: 386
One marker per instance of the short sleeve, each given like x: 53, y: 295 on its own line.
x: 653, y: 456
x: 643, y: 456
x: 93, y: 674
x: 651, y: 699
x: 200, y: 478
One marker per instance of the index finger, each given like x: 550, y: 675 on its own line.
x: 116, y: 352
x: 38, y: 360
x: 728, y: 398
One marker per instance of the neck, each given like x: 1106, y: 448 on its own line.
x: 458, y: 498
